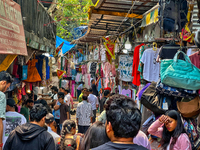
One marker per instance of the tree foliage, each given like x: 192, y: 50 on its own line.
x: 69, y: 15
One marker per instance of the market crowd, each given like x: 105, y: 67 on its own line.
x: 41, y: 126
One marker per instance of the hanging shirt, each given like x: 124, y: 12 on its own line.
x: 126, y: 93
x: 151, y: 67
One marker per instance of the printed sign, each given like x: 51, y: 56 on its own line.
x: 12, y: 38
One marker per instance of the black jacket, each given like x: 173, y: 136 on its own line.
x: 29, y: 137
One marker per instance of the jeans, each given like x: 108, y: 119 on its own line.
x: 78, y: 94
x: 94, y: 117
x: 58, y: 125
x: 82, y: 129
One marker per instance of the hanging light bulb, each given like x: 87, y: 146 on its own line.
x: 128, y: 45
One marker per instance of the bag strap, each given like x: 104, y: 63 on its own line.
x: 185, y: 56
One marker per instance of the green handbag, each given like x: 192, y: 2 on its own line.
x: 180, y: 73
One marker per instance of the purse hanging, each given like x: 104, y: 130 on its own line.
x: 181, y: 73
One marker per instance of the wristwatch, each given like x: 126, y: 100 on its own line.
x: 1, y: 145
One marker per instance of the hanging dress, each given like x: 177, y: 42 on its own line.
x: 33, y: 75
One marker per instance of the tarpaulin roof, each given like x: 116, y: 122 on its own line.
x: 66, y: 47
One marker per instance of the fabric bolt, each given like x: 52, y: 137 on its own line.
x: 83, y: 113
x: 15, y: 68
x: 47, y: 69
x: 151, y: 67
x: 33, y: 75
x: 195, y: 59
x: 126, y: 92
x: 107, y: 70
x: 39, y: 64
x: 136, y: 60
x: 125, y: 68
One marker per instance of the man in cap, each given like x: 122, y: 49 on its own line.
x: 5, y: 81
x: 13, y: 119
x: 52, y: 127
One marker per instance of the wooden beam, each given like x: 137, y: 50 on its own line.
x: 113, y: 13
x: 7, y: 62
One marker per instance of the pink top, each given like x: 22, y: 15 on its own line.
x: 182, y: 143
x: 195, y: 59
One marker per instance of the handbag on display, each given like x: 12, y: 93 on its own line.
x: 176, y: 92
x: 189, y: 108
x: 180, y: 73
x: 151, y: 100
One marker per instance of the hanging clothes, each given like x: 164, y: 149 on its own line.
x: 15, y: 68
x: 140, y: 67
x: 93, y: 69
x: 44, y: 83
x: 136, y: 60
x: 33, y: 75
x: 107, y: 70
x: 51, y: 71
x: 195, y: 59
x: 113, y: 69
x: 47, y: 69
x: 151, y: 67
x: 39, y: 64
x: 126, y: 92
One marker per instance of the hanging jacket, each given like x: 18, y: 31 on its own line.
x: 29, y: 137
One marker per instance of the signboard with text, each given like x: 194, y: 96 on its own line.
x: 12, y: 38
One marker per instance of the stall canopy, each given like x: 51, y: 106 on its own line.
x: 109, y: 17
x: 66, y: 47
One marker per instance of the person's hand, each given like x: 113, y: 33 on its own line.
x: 164, y: 119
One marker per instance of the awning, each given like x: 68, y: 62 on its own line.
x: 150, y: 16
x: 66, y: 47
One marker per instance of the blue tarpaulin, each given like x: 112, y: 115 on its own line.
x: 66, y: 47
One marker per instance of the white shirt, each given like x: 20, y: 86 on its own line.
x: 67, y: 99
x: 55, y: 97
x: 55, y: 135
x: 13, y: 119
x: 151, y: 67
x: 93, y: 100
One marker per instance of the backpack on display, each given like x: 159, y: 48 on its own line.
x: 173, y: 11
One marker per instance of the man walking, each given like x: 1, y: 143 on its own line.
x: 93, y: 100
x: 31, y: 136
x: 13, y: 119
x: 26, y: 108
x: 106, y: 95
x: 122, y: 125
x: 5, y: 81
x: 84, y: 115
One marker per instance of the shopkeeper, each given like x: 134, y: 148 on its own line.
x: 94, y: 86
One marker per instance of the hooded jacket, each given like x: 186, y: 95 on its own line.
x: 115, y: 146
x: 29, y: 137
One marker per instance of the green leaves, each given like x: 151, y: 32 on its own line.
x: 69, y: 15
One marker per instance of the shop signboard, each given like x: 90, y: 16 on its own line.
x: 12, y: 38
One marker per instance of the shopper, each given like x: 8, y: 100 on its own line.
x: 62, y: 89
x: 93, y: 100
x: 172, y: 133
x: 54, y: 97
x: 84, y: 115
x: 94, y: 86
x: 106, y: 95
x: 26, y: 109
x: 64, y: 109
x: 52, y: 127
x: 79, y: 88
x: 84, y: 91
x: 67, y: 97
x: 13, y: 119
x: 31, y: 136
x: 5, y: 81
x: 123, y: 123
x: 68, y: 137
x: 94, y: 137
x: 44, y: 103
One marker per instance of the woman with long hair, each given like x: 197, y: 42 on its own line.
x: 94, y: 137
x: 68, y: 140
x: 170, y: 129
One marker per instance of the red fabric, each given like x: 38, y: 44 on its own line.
x: 136, y: 60
x: 108, y: 88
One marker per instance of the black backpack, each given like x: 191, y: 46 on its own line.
x: 172, y: 11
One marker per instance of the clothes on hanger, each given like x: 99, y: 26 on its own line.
x: 151, y: 67
x: 195, y: 59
